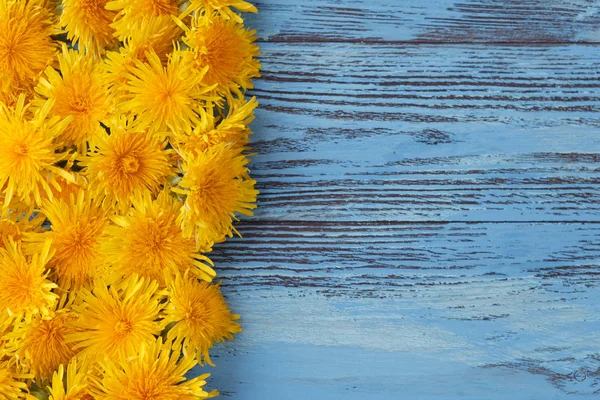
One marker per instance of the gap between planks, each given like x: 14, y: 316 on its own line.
x: 416, y: 42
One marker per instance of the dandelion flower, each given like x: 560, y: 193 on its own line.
x: 76, y: 227
x: 116, y: 321
x: 26, y: 46
x: 156, y: 373
x: 39, y: 343
x: 162, y: 97
x: 201, y: 315
x: 27, y: 154
x: 133, y: 14
x: 24, y: 288
x: 227, y: 49
x: 11, y: 388
x: 149, y: 242
x: 124, y: 162
x: 87, y: 23
x: 216, y: 189
x: 77, y: 92
x: 223, y: 7
x: 156, y: 34
x: 72, y: 386
x: 232, y: 129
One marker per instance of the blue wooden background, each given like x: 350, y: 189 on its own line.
x: 429, y: 220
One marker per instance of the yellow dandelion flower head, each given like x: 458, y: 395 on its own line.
x: 77, y: 92
x: 115, y: 321
x: 24, y: 288
x: 156, y: 34
x: 26, y: 46
x: 216, y: 188
x: 27, y: 153
x: 124, y: 162
x: 76, y: 227
x: 12, y: 385
x: 227, y: 49
x: 156, y: 373
x: 232, y: 129
x: 201, y: 316
x: 39, y: 343
x: 149, y: 242
x: 133, y: 14
x: 164, y: 98
x: 72, y: 383
x: 223, y: 7
x: 87, y: 23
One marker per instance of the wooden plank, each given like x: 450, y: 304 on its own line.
x: 296, y: 372
x: 453, y: 133
x: 424, y: 310
x: 382, y: 258
x: 433, y: 21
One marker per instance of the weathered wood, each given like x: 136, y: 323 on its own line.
x: 453, y: 133
x: 428, y: 224
x: 484, y: 87
x: 438, y: 310
x: 432, y: 21
x: 382, y: 259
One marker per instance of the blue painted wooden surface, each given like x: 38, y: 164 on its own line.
x: 429, y: 220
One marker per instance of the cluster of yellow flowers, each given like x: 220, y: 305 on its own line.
x: 123, y: 159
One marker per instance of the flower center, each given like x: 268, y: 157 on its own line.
x: 167, y: 94
x: 81, y: 240
x: 130, y: 164
x: 21, y: 149
x: 51, y: 331
x: 155, y: 242
x: 123, y: 327
x: 194, y: 313
x: 80, y: 106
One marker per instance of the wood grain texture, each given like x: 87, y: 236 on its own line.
x: 450, y: 133
x: 429, y: 221
x: 433, y: 21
